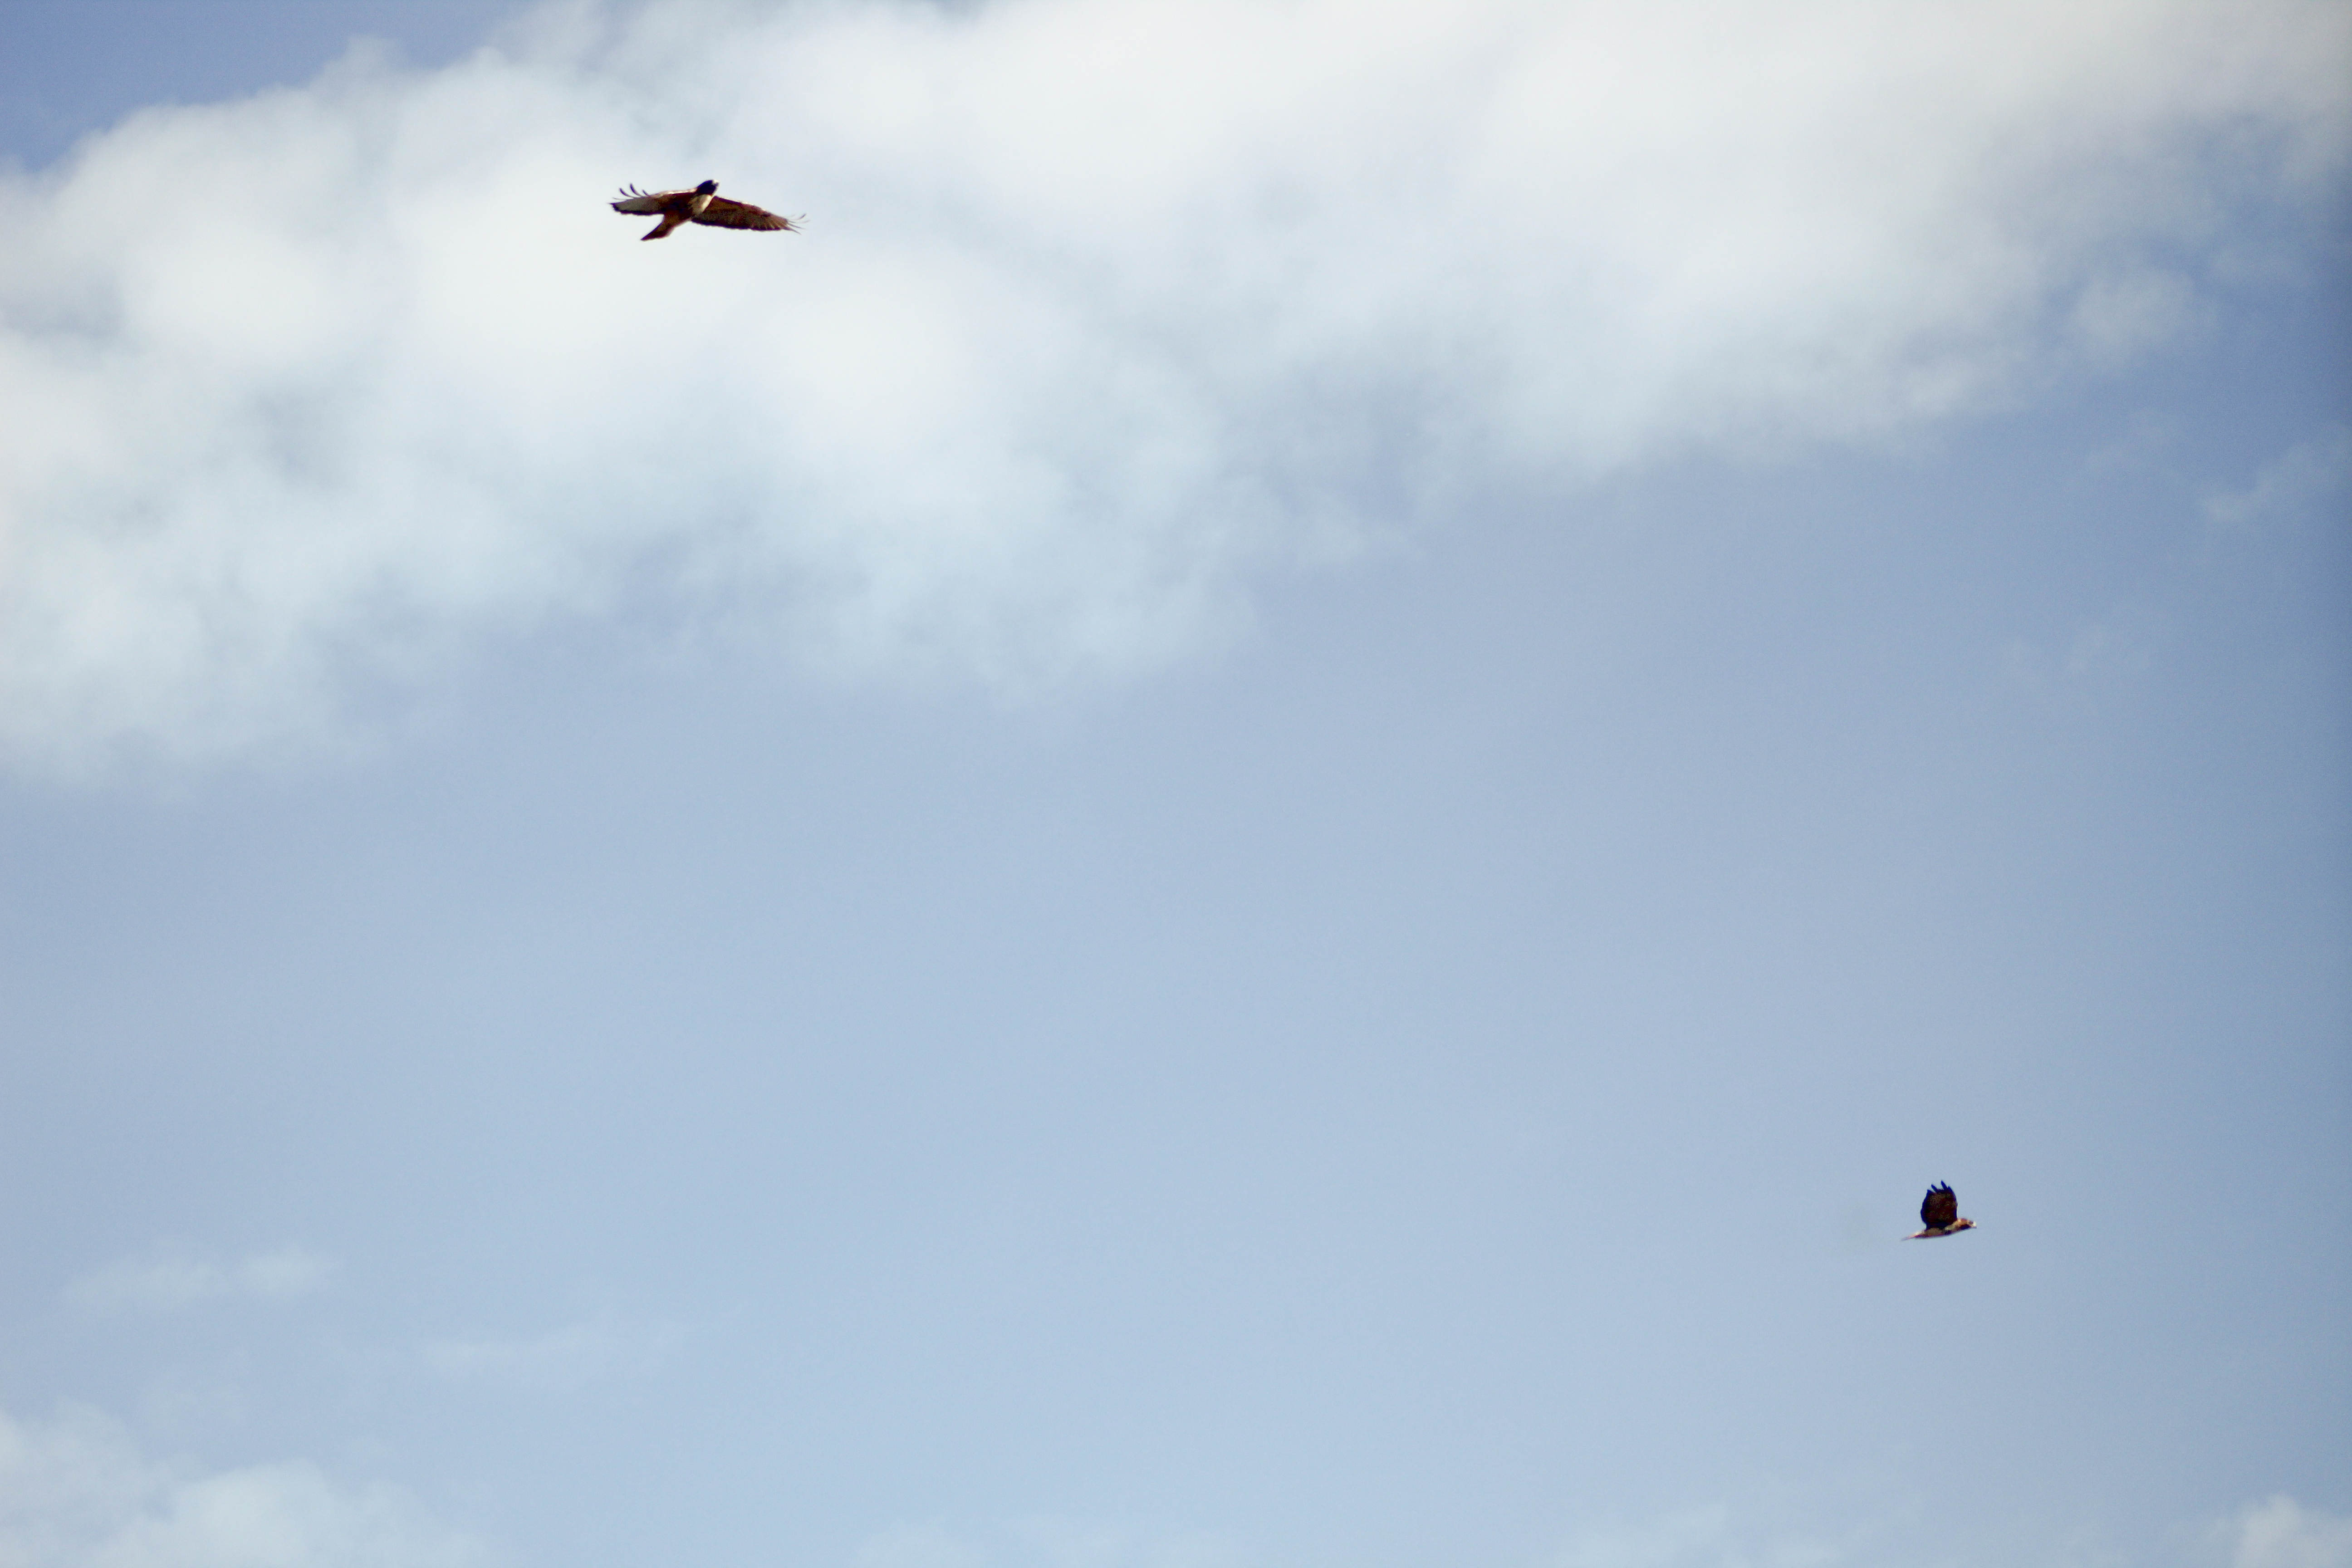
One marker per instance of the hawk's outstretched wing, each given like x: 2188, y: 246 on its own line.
x: 724, y: 214
x: 1940, y: 1208
x: 636, y: 201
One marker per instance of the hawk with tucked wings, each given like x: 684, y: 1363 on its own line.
x: 1940, y: 1213
x: 702, y: 205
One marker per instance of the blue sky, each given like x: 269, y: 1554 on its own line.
x: 1271, y: 815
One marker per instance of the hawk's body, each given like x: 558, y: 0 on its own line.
x: 702, y: 205
x: 1940, y: 1213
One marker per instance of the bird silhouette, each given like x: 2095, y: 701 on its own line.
x: 702, y: 205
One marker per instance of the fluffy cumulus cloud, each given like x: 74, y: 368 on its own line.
x: 1099, y: 312
x: 77, y: 1492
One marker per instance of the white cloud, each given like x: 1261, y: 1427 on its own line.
x: 2283, y: 1533
x: 172, y: 1279
x: 75, y: 1492
x: 1100, y: 312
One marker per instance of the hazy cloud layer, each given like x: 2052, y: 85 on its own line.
x: 1703, y: 1539
x: 2282, y: 1534
x: 1101, y: 311
x: 75, y: 1492
x: 1042, y: 1542
x: 561, y: 1358
x: 2278, y: 1533
x: 172, y: 1279
x: 2305, y: 482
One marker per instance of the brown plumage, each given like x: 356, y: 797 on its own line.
x: 1940, y: 1213
x: 702, y: 205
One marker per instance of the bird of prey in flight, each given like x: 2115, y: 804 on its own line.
x: 700, y: 204
x: 1940, y: 1213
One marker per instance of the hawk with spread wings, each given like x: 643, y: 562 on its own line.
x: 1940, y: 1213
x: 702, y: 205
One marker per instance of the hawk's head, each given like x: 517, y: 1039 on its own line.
x: 706, y: 188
